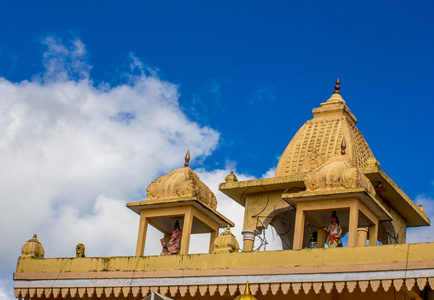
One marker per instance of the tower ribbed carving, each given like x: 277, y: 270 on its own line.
x: 319, y: 139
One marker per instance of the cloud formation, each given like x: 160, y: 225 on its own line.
x: 72, y: 154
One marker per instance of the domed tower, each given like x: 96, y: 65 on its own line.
x: 320, y: 139
x: 312, y: 168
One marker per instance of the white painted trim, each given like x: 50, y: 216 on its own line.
x: 219, y: 280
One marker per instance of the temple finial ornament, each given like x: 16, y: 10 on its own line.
x: 343, y: 146
x: 337, y: 87
x: 187, y: 158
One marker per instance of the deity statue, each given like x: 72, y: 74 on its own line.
x: 79, y: 250
x: 334, y: 230
x: 172, y: 246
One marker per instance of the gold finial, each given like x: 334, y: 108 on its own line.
x: 35, y: 236
x: 337, y: 87
x: 247, y: 295
x: 343, y: 146
x: 247, y: 291
x: 187, y: 158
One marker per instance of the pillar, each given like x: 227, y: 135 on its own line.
x: 353, y: 224
x: 214, y: 235
x: 186, y: 231
x: 362, y: 236
x: 141, y: 239
x: 248, y: 240
x: 373, y: 234
x: 321, y: 238
x: 299, y: 228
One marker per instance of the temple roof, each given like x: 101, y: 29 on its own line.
x: 320, y: 139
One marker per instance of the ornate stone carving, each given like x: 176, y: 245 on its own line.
x: 312, y: 161
x: 338, y: 172
x: 182, y: 182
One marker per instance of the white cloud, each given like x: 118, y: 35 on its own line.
x: 225, y: 205
x: 423, y: 234
x: 6, y: 290
x: 270, y: 173
x: 72, y: 154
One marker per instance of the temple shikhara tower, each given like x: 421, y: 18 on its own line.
x: 341, y: 219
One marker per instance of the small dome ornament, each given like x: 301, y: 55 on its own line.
x: 421, y: 208
x: 246, y: 295
x: 231, y: 177
x: 226, y: 242
x: 33, y: 248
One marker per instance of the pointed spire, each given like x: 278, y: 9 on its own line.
x: 187, y: 158
x: 343, y: 146
x: 247, y: 291
x: 337, y: 87
x: 336, y: 96
x: 246, y: 295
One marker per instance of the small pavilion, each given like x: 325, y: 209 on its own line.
x: 182, y: 197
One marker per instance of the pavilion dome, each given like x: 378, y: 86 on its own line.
x: 319, y: 139
x: 181, y: 183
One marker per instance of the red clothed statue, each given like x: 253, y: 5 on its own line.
x: 174, y: 245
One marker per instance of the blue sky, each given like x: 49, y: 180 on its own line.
x: 231, y: 81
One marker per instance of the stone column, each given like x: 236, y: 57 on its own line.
x: 362, y: 236
x: 248, y: 240
x: 321, y: 238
